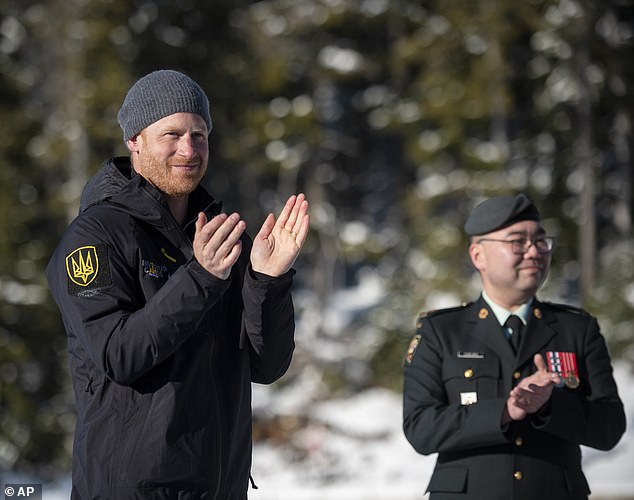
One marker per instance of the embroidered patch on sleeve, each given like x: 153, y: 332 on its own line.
x: 88, y: 269
x: 411, y: 349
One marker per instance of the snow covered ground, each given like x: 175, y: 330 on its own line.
x: 353, y: 449
x: 359, y: 453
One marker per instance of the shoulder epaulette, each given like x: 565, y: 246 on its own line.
x: 438, y: 312
x: 568, y: 308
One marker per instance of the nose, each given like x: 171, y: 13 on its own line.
x: 186, y: 147
x: 531, y: 250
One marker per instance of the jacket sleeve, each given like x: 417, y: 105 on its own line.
x: 592, y: 414
x: 124, y: 335
x: 431, y: 422
x: 268, y: 324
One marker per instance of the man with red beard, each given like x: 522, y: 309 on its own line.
x: 506, y: 389
x: 171, y: 310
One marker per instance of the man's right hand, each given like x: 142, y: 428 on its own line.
x: 217, y: 244
x: 531, y: 393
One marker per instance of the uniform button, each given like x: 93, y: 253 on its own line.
x: 519, y: 441
x: 517, y: 375
x: 517, y: 475
x: 468, y: 373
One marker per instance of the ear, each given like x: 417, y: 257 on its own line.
x: 477, y: 256
x: 133, y: 144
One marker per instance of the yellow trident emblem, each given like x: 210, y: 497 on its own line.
x: 82, y: 265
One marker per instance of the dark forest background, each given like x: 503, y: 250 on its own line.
x: 394, y: 117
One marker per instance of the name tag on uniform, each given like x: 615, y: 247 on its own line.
x: 470, y: 355
x: 468, y: 398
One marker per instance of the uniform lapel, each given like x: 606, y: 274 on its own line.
x: 488, y: 330
x: 537, y: 333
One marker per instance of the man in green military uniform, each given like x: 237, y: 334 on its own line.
x: 507, y: 388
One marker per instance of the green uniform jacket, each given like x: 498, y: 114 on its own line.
x: 458, y: 373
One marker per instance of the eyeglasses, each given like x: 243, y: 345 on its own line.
x: 544, y: 244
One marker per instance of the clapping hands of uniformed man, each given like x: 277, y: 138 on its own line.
x: 217, y: 244
x: 532, y: 392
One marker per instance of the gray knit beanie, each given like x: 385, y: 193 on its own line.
x: 160, y: 94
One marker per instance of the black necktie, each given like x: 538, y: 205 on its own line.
x: 515, y: 324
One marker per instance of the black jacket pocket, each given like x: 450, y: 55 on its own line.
x: 448, y: 480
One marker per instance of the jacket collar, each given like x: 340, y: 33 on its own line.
x: 537, y: 334
x: 502, y: 314
x: 117, y: 183
x: 539, y: 331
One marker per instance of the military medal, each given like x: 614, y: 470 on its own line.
x: 565, y: 365
x: 571, y: 381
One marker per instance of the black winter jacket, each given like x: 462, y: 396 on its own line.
x: 162, y: 353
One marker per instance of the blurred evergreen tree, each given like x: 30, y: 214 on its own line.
x: 59, y: 72
x: 529, y: 97
x: 34, y: 409
x: 419, y: 109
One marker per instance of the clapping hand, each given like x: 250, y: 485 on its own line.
x: 532, y: 392
x: 277, y: 245
x: 217, y: 244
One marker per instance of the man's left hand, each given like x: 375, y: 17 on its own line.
x: 277, y: 245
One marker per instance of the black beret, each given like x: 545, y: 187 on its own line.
x: 499, y: 212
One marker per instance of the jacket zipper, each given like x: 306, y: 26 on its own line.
x: 189, y: 245
x: 193, y: 221
x: 219, y: 419
x: 215, y: 398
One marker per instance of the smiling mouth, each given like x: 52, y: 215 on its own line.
x: 533, y: 268
x: 187, y: 168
